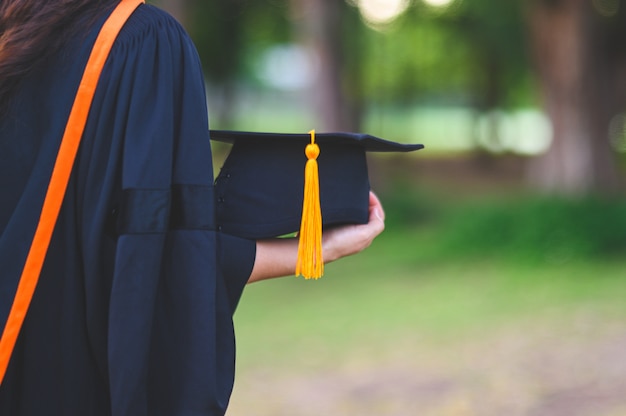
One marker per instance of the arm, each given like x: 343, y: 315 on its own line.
x: 277, y: 257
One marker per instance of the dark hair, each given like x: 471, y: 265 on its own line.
x: 32, y: 30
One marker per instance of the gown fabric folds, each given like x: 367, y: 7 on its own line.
x: 133, y: 311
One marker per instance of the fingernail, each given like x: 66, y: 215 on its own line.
x: 377, y: 213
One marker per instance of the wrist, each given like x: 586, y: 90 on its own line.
x: 331, y: 250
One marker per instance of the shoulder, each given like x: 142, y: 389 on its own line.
x: 152, y: 44
x: 150, y: 22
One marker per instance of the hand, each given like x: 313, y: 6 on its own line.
x: 347, y: 240
x: 277, y: 257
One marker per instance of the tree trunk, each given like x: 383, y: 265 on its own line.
x: 319, y: 28
x: 577, y: 79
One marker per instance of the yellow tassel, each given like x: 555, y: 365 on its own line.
x: 310, y: 263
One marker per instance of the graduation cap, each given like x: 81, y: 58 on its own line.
x: 274, y: 184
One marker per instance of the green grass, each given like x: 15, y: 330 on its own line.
x: 436, y: 319
x: 396, y: 291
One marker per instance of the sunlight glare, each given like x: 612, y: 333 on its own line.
x: 438, y: 3
x: 381, y: 11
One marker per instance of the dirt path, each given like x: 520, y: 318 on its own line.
x: 535, y: 369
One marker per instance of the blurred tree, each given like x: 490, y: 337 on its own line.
x: 492, y: 35
x: 317, y: 24
x: 329, y: 30
x: 217, y: 30
x: 579, y: 54
x: 225, y: 32
x: 577, y: 51
x: 472, y: 52
x: 486, y: 40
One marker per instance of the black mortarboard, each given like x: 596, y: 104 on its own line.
x: 260, y: 187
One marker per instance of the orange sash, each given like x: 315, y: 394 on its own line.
x: 60, y: 177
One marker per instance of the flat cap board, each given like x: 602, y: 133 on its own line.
x: 260, y: 186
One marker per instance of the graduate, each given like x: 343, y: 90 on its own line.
x: 132, y: 310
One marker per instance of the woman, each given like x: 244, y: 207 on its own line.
x: 132, y: 313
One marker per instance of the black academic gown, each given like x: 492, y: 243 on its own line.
x: 133, y: 311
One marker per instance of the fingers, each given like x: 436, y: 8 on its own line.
x: 350, y: 239
x: 375, y: 207
x: 376, y: 223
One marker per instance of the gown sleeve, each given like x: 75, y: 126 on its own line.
x: 158, y: 275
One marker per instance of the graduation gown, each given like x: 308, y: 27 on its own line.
x: 133, y: 311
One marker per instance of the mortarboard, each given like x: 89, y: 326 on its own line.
x: 261, y: 186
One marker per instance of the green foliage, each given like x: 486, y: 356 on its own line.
x: 407, y: 208
x: 227, y: 33
x: 418, y: 58
x: 532, y: 229
x: 474, y: 49
x: 471, y: 51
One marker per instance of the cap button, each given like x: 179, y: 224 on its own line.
x: 312, y: 151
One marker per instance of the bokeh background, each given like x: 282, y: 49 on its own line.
x: 498, y: 286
